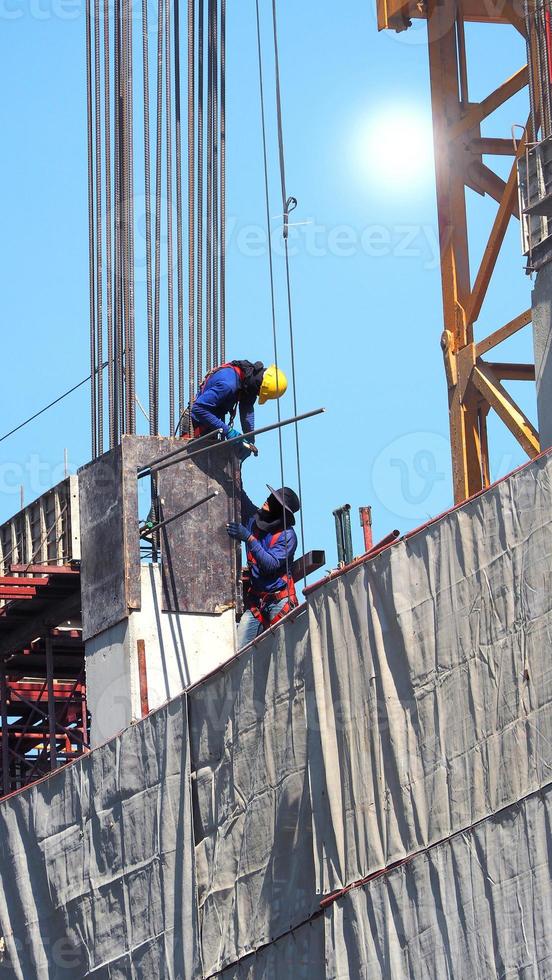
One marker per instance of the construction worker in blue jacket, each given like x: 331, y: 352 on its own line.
x: 234, y: 385
x: 270, y: 540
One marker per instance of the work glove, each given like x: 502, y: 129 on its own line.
x: 242, y: 449
x: 233, y: 434
x: 238, y: 531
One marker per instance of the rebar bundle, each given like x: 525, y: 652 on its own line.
x: 122, y: 307
x: 538, y: 22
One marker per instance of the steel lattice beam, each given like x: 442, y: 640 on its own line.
x: 474, y: 386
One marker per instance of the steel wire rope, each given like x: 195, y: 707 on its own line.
x: 147, y: 192
x: 99, y: 263
x: 168, y: 164
x: 108, y: 222
x: 285, y: 206
x: 158, y: 162
x: 91, y: 249
x: 270, y: 256
x: 51, y: 404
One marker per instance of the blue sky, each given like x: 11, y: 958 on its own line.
x: 365, y: 276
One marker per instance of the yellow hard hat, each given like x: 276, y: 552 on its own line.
x: 273, y: 385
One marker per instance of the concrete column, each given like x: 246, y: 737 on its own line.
x: 180, y: 648
x: 541, y: 300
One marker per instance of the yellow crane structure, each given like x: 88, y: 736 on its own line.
x: 475, y: 385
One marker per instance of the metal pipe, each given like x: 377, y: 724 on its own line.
x: 5, y: 735
x: 155, y: 465
x: 51, y: 703
x: 366, y: 525
x: 388, y: 539
x: 181, y: 513
x: 339, y: 538
x: 343, y: 533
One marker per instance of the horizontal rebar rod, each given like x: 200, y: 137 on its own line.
x: 198, y: 503
x: 160, y: 464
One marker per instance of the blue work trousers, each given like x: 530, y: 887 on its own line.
x: 249, y: 627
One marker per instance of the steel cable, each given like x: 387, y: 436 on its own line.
x: 270, y: 256
x: 147, y: 192
x: 285, y: 211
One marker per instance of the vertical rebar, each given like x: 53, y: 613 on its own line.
x: 99, y: 269
x: 130, y: 358
x: 158, y: 164
x: 209, y: 208
x: 200, y: 166
x: 108, y: 223
x: 222, y: 260
x: 91, y: 249
x: 178, y: 179
x: 147, y: 192
x: 191, y: 208
x: 170, y: 287
x: 215, y: 186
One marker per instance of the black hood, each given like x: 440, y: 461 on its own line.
x: 252, y: 376
x: 274, y: 518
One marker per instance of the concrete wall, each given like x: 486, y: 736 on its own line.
x: 180, y: 649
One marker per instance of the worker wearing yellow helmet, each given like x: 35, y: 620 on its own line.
x: 232, y: 386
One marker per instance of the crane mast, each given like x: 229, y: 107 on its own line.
x: 475, y: 382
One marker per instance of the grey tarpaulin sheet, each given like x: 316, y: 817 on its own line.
x: 96, y: 863
x: 432, y: 681
x: 252, y: 815
x: 478, y: 906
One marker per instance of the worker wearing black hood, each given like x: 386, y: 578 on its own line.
x: 231, y: 387
x: 271, y: 543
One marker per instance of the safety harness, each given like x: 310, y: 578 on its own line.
x: 198, y: 430
x: 258, y: 602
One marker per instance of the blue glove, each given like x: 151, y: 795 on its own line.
x: 233, y: 434
x: 238, y: 531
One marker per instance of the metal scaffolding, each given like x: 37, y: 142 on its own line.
x: 43, y: 712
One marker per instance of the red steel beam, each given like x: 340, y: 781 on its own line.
x: 45, y: 569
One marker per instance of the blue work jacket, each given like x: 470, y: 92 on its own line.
x: 220, y: 394
x: 266, y: 557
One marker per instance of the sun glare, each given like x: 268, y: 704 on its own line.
x: 395, y: 149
